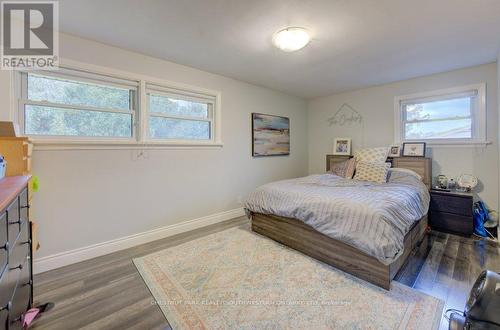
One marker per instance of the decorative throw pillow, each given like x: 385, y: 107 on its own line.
x: 375, y: 172
x: 373, y: 155
x: 344, y: 169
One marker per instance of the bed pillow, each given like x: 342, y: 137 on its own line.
x: 372, y: 155
x: 404, y: 170
x: 374, y: 172
x: 344, y: 169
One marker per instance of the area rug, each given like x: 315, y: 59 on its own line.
x: 238, y: 279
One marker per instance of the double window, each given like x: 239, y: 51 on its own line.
x: 443, y: 117
x: 76, y: 106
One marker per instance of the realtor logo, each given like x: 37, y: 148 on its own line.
x: 29, y: 35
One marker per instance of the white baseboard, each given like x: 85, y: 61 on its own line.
x: 54, y: 261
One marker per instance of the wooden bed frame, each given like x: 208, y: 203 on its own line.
x: 301, y: 237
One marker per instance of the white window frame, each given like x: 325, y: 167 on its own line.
x: 165, y: 91
x: 84, y: 77
x: 140, y: 138
x: 478, y: 114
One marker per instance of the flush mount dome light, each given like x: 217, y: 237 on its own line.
x: 291, y: 39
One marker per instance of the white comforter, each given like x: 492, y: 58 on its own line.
x: 373, y: 217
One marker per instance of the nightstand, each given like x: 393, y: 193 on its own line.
x: 452, y: 212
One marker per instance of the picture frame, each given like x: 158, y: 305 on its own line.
x: 270, y: 135
x: 342, y: 146
x: 414, y: 149
x: 394, y: 151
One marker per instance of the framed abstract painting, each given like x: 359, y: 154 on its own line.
x: 270, y: 135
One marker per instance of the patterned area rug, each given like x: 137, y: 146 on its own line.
x: 238, y: 279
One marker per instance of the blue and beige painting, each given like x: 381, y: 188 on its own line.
x: 271, y: 135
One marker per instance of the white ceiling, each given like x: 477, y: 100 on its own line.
x: 356, y: 43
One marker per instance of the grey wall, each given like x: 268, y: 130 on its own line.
x: 376, y: 105
x: 92, y: 196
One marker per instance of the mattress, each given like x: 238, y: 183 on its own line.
x: 372, y: 217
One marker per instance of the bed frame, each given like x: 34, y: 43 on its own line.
x: 301, y: 237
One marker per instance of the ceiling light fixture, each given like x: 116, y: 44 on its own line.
x: 291, y: 39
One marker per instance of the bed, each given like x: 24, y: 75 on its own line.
x: 379, y: 244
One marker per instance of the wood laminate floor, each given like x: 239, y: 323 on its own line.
x: 108, y: 292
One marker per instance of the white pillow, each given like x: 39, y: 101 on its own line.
x: 372, y: 155
x: 374, y: 172
x: 405, y: 170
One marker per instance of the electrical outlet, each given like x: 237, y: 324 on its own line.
x: 140, y: 154
x: 144, y: 154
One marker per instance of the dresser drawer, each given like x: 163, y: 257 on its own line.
x: 24, y: 235
x: 450, y: 222
x: 24, y: 278
x: 21, y: 249
x: 13, y: 223
x: 23, y: 205
x: 451, y: 204
x: 3, y: 242
x: 16, y: 279
x: 22, y: 297
x: 8, y: 283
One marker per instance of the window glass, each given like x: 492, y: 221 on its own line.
x: 77, y: 93
x: 177, y: 107
x: 442, y: 118
x: 40, y: 120
x: 56, y: 106
x: 443, y: 129
x: 178, y: 129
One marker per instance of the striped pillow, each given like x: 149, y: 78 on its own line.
x: 373, y: 155
x: 374, y: 172
x: 344, y: 169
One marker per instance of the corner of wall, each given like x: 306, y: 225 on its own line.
x: 6, y: 103
x: 498, y: 105
x: 308, y: 126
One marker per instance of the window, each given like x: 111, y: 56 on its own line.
x: 443, y: 117
x: 75, y: 106
x: 84, y: 106
x: 177, y: 116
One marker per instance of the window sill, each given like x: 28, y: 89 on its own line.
x: 46, y: 145
x: 453, y: 144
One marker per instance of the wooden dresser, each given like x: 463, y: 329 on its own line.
x: 16, y: 276
x: 452, y: 212
x: 17, y: 151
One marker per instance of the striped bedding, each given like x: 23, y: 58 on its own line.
x: 373, y: 217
